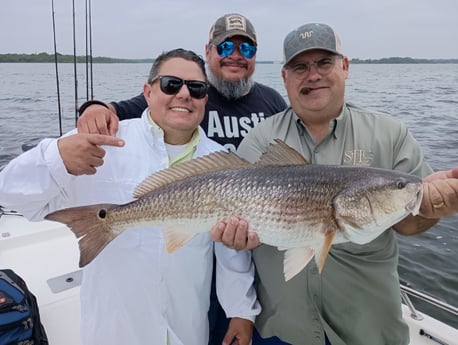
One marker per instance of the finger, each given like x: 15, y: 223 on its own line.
x: 435, y: 176
x: 216, y: 232
x: 229, y: 232
x: 82, y: 126
x: 83, y: 170
x: 96, y: 154
x: 440, y: 198
x: 435, y: 196
x: 241, y: 235
x: 442, y: 175
x: 453, y: 189
x: 113, y: 124
x: 100, y: 139
x: 99, y: 126
x: 84, y: 165
x: 96, y: 161
x: 90, y: 170
x: 454, y: 173
x: 236, y: 342
x: 426, y: 208
x: 449, y: 191
x: 230, y: 339
x: 253, y: 241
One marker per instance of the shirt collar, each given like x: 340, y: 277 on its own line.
x: 191, y: 146
x: 336, y: 126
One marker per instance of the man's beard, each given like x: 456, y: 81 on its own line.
x: 230, y: 89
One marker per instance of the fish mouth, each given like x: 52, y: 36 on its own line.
x: 414, y: 205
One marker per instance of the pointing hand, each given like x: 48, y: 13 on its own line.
x: 82, y: 153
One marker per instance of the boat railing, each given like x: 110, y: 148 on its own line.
x: 6, y: 212
x: 407, y: 291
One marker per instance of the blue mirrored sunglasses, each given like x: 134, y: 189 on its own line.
x: 226, y: 48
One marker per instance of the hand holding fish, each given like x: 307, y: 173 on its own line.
x: 440, y: 194
x: 82, y: 153
x: 440, y: 199
x: 234, y: 234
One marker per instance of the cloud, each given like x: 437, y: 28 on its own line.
x: 144, y: 28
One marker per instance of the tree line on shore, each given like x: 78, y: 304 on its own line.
x: 61, y: 58
x: 45, y: 57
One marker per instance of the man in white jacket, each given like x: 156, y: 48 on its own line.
x: 134, y: 292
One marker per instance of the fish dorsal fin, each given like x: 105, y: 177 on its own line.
x: 279, y: 153
x: 216, y: 161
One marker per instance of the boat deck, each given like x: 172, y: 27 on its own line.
x: 46, y: 255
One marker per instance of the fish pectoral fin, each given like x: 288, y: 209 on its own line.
x: 295, y: 260
x: 322, y: 254
x: 175, y: 239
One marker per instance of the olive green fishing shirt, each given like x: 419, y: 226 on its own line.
x: 356, y: 299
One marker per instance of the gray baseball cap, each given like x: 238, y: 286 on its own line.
x: 231, y: 24
x: 308, y: 37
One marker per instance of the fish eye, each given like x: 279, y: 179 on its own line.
x: 102, y: 214
x: 401, y: 184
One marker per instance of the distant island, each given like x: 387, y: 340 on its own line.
x: 46, y: 58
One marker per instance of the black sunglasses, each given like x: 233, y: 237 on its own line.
x: 171, y: 85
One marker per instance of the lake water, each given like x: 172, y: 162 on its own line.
x: 425, y: 97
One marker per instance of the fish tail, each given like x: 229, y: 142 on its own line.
x: 89, y: 225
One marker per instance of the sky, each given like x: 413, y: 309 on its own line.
x: 369, y: 29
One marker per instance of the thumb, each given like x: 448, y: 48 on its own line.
x: 101, y: 139
x: 453, y: 173
x: 442, y: 175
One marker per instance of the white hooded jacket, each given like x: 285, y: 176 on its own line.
x: 134, y: 292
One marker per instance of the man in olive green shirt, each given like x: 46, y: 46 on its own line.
x: 356, y: 298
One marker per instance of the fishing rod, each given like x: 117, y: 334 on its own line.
x: 57, y: 70
x: 89, y: 72
x: 74, y: 65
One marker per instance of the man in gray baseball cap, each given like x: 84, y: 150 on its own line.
x: 355, y: 299
x: 308, y: 37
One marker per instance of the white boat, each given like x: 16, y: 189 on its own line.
x: 46, y: 255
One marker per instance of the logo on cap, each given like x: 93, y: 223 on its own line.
x: 235, y: 22
x: 306, y: 34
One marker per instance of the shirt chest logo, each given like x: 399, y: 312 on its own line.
x: 359, y: 157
